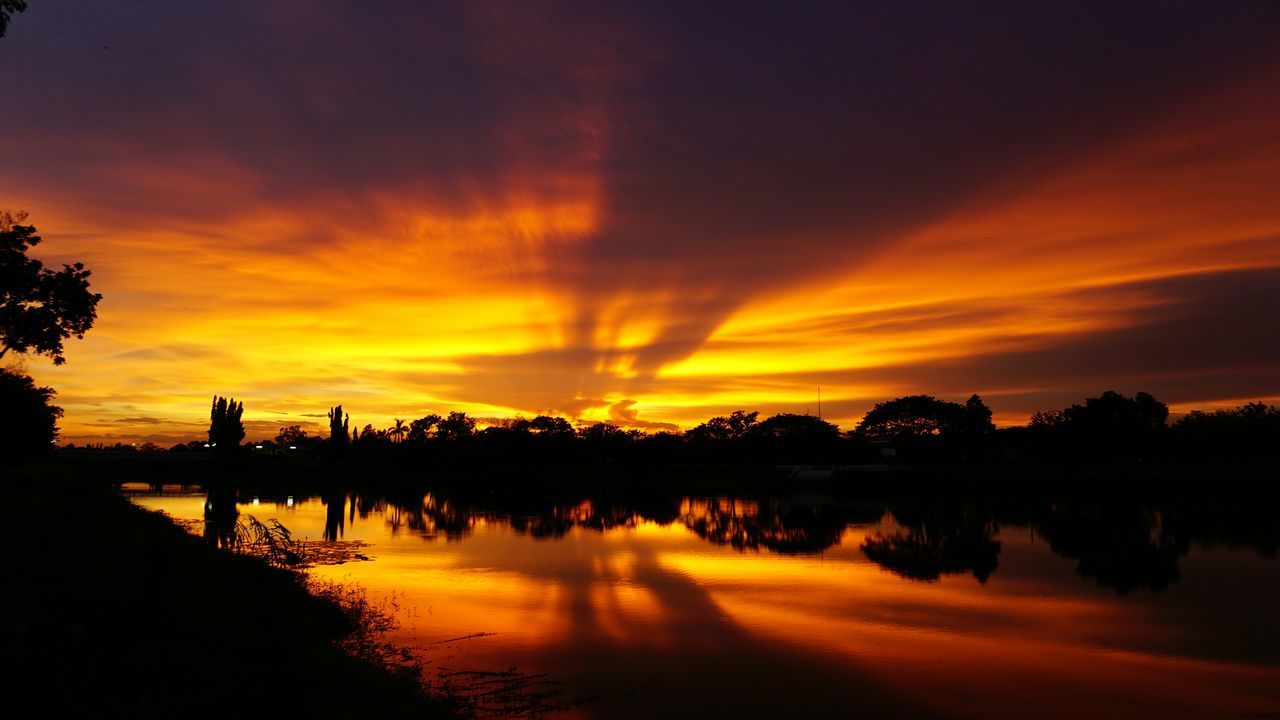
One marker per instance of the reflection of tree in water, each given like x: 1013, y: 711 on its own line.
x: 220, y: 516
x: 778, y: 525
x: 427, y: 515
x: 1123, y: 548
x: 588, y: 514
x: 936, y: 541
x: 334, y: 521
x: 1234, y: 525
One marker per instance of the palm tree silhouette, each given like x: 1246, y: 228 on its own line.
x: 398, y: 432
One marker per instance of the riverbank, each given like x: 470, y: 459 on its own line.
x: 111, y: 608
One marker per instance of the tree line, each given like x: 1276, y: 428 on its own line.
x: 1112, y: 430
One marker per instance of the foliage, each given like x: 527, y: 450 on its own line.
x: 1249, y: 431
x: 398, y: 431
x: 913, y: 416
x: 39, y: 307
x: 28, y: 423
x: 544, y: 425
x: 456, y: 427
x: 721, y: 429
x: 1110, y: 427
x: 290, y: 435
x: 225, y: 428
x: 338, y: 426
x: 977, y: 417
x: 7, y: 10
x: 422, y: 428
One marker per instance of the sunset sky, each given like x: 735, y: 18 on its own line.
x: 647, y: 212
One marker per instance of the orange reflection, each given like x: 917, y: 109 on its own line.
x: 705, y: 597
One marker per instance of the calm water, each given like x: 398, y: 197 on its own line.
x: 795, y: 606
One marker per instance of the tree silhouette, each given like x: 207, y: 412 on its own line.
x: 28, y: 423
x: 398, y: 431
x: 290, y: 435
x: 7, y: 10
x: 976, y: 421
x: 1251, y: 431
x: 338, y: 426
x: 1108, y: 427
x: 544, y: 425
x: 456, y: 427
x: 421, y: 429
x: 722, y: 429
x: 225, y: 429
x: 913, y: 416
x: 39, y: 307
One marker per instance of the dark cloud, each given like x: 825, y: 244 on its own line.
x: 625, y: 414
x: 1211, y: 336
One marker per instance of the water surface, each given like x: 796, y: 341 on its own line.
x: 804, y: 604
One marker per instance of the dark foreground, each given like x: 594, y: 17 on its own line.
x: 111, y: 609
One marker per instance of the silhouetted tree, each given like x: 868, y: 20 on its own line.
x: 923, y: 427
x: 398, y: 431
x: 456, y: 427
x: 28, y: 423
x: 1249, y: 432
x: 39, y: 308
x: 975, y: 431
x: 788, y: 437
x: 7, y: 10
x: 544, y: 425
x: 421, y: 429
x: 369, y: 435
x: 225, y: 428
x: 338, y: 427
x: 1108, y: 427
x: 290, y: 435
x: 606, y: 442
x: 976, y: 421
x: 912, y: 417
x: 724, y: 429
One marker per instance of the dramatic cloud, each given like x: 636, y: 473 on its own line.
x: 647, y: 212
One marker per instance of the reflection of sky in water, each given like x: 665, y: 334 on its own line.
x: 651, y: 617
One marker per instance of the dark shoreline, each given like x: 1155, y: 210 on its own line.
x: 112, y: 608
x: 316, y: 473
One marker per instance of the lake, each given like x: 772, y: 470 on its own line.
x: 805, y: 605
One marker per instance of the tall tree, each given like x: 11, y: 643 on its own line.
x: 398, y: 431
x: 225, y: 428
x: 338, y: 426
x: 39, y: 307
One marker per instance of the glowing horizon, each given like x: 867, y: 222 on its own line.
x: 612, y: 214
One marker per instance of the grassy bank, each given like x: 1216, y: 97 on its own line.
x: 113, y: 609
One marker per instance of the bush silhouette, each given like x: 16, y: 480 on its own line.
x: 28, y: 423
